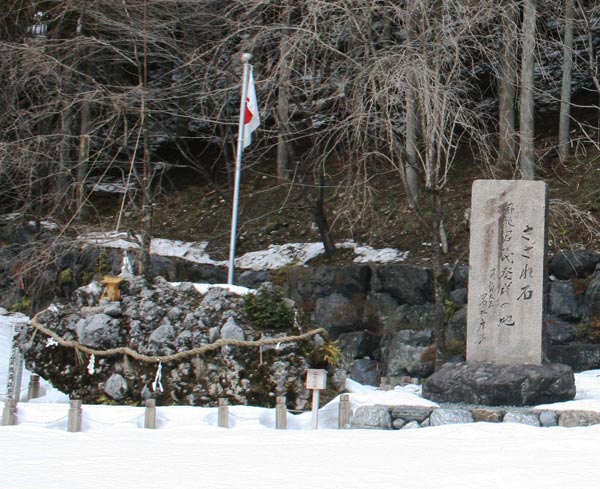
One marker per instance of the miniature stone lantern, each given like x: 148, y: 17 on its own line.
x: 112, y: 292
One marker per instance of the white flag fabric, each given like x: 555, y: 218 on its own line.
x: 251, y: 115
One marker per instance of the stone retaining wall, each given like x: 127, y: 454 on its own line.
x: 409, y: 417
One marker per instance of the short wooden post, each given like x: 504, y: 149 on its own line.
x: 315, y: 408
x: 75, y: 416
x: 150, y: 414
x: 223, y: 413
x: 344, y: 412
x: 34, y: 389
x: 15, y: 373
x: 385, y: 384
x: 280, y: 413
x: 316, y: 380
x: 9, y: 413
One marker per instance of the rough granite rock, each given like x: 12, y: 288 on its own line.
x: 403, y: 353
x: 487, y: 415
x: 406, y: 283
x: 441, y: 417
x: 365, y: 371
x: 530, y: 419
x: 571, y: 419
x: 500, y: 385
x: 98, y: 331
x: 358, y: 344
x: 372, y: 418
x: 411, y: 425
x: 411, y: 413
x: 579, y: 357
x: 231, y: 330
x: 337, y: 314
x: 573, y: 263
x: 116, y: 387
x: 548, y: 418
x: 397, y: 424
x: 564, y: 302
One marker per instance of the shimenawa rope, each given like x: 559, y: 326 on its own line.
x: 124, y: 350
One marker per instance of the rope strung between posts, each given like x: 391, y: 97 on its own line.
x: 124, y: 350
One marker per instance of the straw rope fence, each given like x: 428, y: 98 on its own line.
x: 124, y: 350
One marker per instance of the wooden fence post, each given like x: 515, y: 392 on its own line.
x: 280, y: 413
x: 75, y: 416
x: 344, y: 412
x: 223, y: 413
x: 15, y: 373
x: 34, y: 389
x: 9, y: 413
x: 150, y: 414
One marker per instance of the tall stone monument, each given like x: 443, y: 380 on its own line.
x: 505, y: 315
x: 507, y: 272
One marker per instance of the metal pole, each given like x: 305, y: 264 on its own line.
x: 246, y: 57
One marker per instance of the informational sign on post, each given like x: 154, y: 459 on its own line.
x: 316, y: 380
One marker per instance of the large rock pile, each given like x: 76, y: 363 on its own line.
x: 162, y: 319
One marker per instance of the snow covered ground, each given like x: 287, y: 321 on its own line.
x: 276, y: 256
x: 190, y: 451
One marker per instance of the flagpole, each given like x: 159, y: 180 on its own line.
x: 246, y: 57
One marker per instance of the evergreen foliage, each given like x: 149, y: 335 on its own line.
x: 267, y: 309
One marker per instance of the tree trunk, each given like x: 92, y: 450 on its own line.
x: 148, y: 201
x: 66, y: 163
x: 564, y: 139
x: 283, y: 153
x: 593, y: 65
x: 83, y: 160
x: 318, y: 208
x: 438, y: 282
x: 411, y: 173
x: 507, y: 90
x: 148, y: 198
x: 527, y: 105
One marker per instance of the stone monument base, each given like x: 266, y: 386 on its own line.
x: 491, y: 384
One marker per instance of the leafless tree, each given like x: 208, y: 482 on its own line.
x: 507, y: 85
x: 567, y: 81
x: 526, y: 100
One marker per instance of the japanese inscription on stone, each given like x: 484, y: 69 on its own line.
x: 507, y: 271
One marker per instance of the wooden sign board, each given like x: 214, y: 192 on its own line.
x: 316, y: 379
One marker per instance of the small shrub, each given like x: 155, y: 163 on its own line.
x: 267, y: 310
x: 450, y: 309
x: 589, y: 332
x: 66, y: 276
x: 24, y: 305
x: 331, y: 353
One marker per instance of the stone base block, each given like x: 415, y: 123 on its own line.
x: 501, y: 385
x: 372, y: 418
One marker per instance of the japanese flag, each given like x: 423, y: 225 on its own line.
x: 251, y: 115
